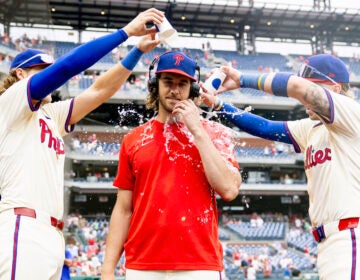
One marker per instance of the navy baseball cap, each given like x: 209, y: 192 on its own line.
x: 31, y: 58
x: 324, y: 67
x: 178, y: 63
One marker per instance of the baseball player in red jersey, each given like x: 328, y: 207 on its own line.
x: 328, y: 138
x: 165, y: 218
x: 32, y: 149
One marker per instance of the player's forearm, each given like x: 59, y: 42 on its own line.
x: 102, y: 90
x: 221, y: 175
x: 113, y: 252
x: 309, y: 94
x: 71, y: 64
x: 105, y: 86
x: 118, y: 230
x: 288, y: 85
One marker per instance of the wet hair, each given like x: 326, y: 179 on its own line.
x: 152, y: 99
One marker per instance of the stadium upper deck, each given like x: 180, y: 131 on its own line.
x: 320, y: 23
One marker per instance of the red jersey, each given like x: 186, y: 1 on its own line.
x: 174, y: 225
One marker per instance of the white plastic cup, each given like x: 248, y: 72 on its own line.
x: 213, y: 83
x: 171, y: 40
x: 167, y: 33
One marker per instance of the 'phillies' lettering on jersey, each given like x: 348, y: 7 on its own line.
x: 314, y: 157
x: 53, y: 142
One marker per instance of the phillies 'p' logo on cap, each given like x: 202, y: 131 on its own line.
x: 178, y: 57
x: 178, y: 63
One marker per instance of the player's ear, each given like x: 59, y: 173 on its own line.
x: 336, y: 88
x: 20, y: 73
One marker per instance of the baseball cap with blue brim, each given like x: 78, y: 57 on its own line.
x: 177, y: 63
x: 31, y: 58
x: 324, y: 68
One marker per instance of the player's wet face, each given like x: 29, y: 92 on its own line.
x: 172, y: 89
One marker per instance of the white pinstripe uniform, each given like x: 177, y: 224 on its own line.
x: 31, y: 175
x: 332, y: 165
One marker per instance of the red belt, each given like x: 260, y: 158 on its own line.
x: 23, y: 211
x: 323, y: 231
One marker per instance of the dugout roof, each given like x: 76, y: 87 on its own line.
x: 219, y: 18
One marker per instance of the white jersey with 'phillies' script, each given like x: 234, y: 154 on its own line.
x: 32, y: 151
x: 332, y: 160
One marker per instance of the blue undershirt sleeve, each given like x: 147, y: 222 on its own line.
x: 255, y: 125
x: 73, y: 63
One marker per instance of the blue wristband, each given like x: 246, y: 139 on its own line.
x: 279, y: 84
x: 249, y: 81
x: 132, y: 58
